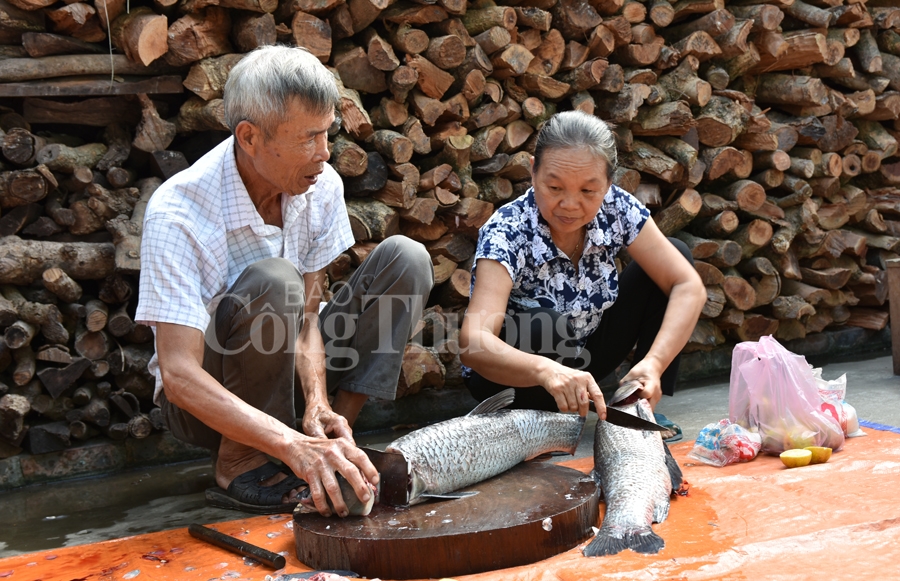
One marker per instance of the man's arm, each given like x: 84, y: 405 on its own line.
x: 314, y: 459
x: 319, y: 420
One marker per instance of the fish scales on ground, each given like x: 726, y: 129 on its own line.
x: 636, y: 474
x: 460, y: 452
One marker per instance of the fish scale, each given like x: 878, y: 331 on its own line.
x: 450, y: 455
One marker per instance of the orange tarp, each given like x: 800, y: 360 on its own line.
x: 758, y: 520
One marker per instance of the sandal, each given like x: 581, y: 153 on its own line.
x: 246, y: 493
x: 673, y: 431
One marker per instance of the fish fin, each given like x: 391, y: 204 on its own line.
x: 598, y: 481
x: 642, y: 541
x: 674, y: 469
x: 450, y: 495
x: 661, y: 511
x: 495, y: 402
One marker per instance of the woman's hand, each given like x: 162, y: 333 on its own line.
x: 647, y: 373
x: 572, y: 389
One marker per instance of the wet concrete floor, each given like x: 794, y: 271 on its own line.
x: 75, y: 512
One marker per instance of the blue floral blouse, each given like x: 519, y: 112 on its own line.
x: 518, y: 237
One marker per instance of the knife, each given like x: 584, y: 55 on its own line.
x: 394, y: 480
x: 625, y: 420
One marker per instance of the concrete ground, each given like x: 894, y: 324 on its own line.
x: 89, y: 510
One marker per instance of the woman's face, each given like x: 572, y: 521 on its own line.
x: 569, y: 187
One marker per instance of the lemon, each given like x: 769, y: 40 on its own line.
x: 820, y: 454
x: 798, y: 438
x: 796, y: 458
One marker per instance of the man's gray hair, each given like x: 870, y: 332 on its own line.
x: 577, y: 130
x: 262, y: 85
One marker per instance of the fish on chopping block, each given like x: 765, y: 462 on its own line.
x: 636, y: 474
x: 450, y: 455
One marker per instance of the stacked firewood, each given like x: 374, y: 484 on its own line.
x: 763, y: 133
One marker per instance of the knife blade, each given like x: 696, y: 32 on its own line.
x: 625, y: 420
x: 393, y: 469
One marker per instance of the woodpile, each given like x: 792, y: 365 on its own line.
x: 762, y: 133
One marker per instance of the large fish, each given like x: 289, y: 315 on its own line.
x: 637, y: 475
x: 459, y: 452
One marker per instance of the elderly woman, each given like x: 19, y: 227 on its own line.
x: 549, y: 314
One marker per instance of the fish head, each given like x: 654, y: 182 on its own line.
x: 626, y: 394
x: 417, y: 488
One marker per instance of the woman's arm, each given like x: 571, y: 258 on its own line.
x: 482, y: 350
x: 665, y: 265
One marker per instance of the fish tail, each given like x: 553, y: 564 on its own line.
x: 640, y: 541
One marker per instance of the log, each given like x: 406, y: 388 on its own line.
x: 720, y: 160
x: 873, y: 319
x: 393, y: 145
x: 407, y: 39
x: 748, y: 195
x: 26, y: 186
x: 372, y: 220
x: 140, y: 426
x: 46, y: 438
x: 140, y: 34
x: 700, y: 248
x: 718, y: 226
x: 705, y: 336
x: 715, y: 302
x: 680, y: 213
x: 20, y: 146
x: 23, y: 261
x: 648, y: 159
x: 13, y: 409
x: 779, y: 89
x: 206, y: 79
x: 720, y: 122
x: 153, y: 133
x: 57, y: 380
x: 421, y: 368
x: 78, y: 20
x: 453, y: 246
x: 252, y: 30
x: 196, y: 36
x: 25, y: 365
x: 684, y: 83
x: 753, y: 236
x: 62, y: 158
x: 755, y: 326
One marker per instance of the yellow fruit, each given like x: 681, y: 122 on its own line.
x: 796, y: 458
x: 799, y: 438
x: 820, y: 454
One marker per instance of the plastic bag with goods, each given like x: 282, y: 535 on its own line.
x: 834, y: 394
x: 775, y: 392
x: 725, y: 443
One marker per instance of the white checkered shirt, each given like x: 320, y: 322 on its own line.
x: 201, y: 230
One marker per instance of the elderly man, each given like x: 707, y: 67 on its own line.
x: 233, y: 269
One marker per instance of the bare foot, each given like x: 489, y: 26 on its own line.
x: 235, y: 459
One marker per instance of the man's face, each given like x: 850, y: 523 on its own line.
x: 291, y: 159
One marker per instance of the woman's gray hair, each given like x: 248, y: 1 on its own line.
x: 262, y: 85
x: 577, y: 130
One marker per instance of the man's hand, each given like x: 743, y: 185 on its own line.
x: 320, y: 421
x: 573, y: 389
x: 316, y: 460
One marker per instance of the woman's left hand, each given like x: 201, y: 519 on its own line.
x: 647, y: 374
